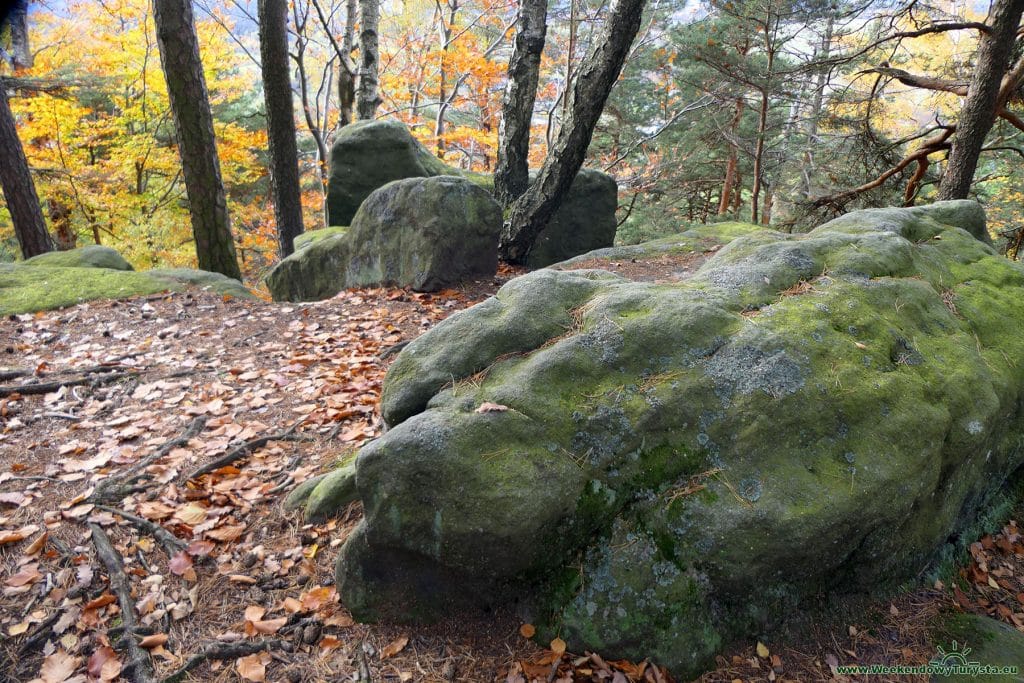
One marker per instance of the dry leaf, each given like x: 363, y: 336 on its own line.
x: 251, y: 668
x: 527, y: 631
x: 180, y: 563
x: 269, y: 626
x: 58, y: 667
x: 154, y: 640
x: 488, y: 407
x: 558, y: 646
x: 762, y: 650
x: 394, y: 647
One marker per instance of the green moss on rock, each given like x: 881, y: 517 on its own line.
x: 92, y: 256
x: 29, y: 288
x: 424, y: 233
x: 311, y: 236
x: 803, y: 415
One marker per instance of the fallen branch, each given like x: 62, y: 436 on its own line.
x: 115, y: 488
x: 138, y: 668
x: 223, y: 652
x: 238, y: 452
x: 171, y: 543
x: 49, y: 387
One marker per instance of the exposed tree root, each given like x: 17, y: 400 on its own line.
x: 238, y: 452
x: 170, y: 543
x: 114, y: 489
x: 138, y: 668
x: 222, y: 652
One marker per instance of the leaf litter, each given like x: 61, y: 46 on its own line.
x: 221, y: 579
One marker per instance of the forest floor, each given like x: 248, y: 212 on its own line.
x: 108, y: 411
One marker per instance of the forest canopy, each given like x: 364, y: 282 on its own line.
x: 772, y: 111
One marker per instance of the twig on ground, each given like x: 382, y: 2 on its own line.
x: 223, y: 652
x: 171, y: 543
x: 238, y: 452
x: 50, y: 387
x: 138, y: 668
x: 114, y: 488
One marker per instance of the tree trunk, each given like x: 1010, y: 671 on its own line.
x: 19, y: 190
x: 193, y: 121
x: 367, y: 97
x: 21, y: 55
x: 277, y: 94
x: 594, y: 80
x: 814, y: 119
x: 511, y: 176
x: 346, y: 77
x: 981, y: 104
x: 730, y: 167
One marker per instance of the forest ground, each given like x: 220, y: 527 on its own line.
x: 109, y: 408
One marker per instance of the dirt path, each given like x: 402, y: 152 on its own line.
x: 107, y: 408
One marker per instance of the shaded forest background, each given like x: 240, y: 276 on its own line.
x: 766, y: 111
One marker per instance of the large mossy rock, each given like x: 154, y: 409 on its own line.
x: 584, y: 221
x: 424, y: 233
x: 679, y: 465
x: 26, y: 288
x: 369, y: 154
x: 91, y: 256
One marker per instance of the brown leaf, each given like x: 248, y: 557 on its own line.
x: 58, y: 667
x: 251, y: 668
x: 21, y: 534
x: 12, y: 498
x: 180, y: 563
x: 558, y: 646
x: 394, y: 647
x: 527, y: 631
x: 226, y: 533
x: 269, y: 626
x: 28, y: 574
x: 104, y: 664
x: 154, y: 640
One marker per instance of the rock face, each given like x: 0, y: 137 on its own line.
x: 680, y: 464
x: 92, y: 256
x: 425, y: 233
x: 369, y: 154
x: 585, y: 221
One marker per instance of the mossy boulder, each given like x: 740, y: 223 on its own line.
x: 674, y: 466
x: 92, y: 256
x: 310, y: 236
x: 365, y: 156
x: 424, y: 233
x: 29, y: 288
x: 369, y: 154
x: 585, y: 220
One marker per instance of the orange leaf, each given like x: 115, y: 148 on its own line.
x: 394, y: 647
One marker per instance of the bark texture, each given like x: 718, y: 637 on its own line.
x: 367, y: 95
x: 193, y: 121
x: 511, y: 176
x: 19, y: 190
x: 277, y: 94
x: 21, y: 55
x: 982, y: 102
x: 594, y: 80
